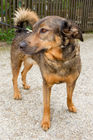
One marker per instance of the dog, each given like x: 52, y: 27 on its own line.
x: 53, y: 45
x: 17, y: 56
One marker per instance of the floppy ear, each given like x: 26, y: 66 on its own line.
x: 76, y: 32
x: 72, y: 30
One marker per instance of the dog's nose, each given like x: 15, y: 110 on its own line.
x: 23, y: 44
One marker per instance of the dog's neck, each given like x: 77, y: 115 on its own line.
x: 54, y: 54
x: 62, y: 53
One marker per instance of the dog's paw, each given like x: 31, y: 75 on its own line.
x: 26, y: 87
x: 45, y: 125
x: 17, y: 96
x: 72, y: 109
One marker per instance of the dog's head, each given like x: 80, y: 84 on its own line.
x: 48, y: 33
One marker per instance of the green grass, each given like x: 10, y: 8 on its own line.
x: 7, y: 35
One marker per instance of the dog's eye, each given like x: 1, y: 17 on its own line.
x: 43, y: 30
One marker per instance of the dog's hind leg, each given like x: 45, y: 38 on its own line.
x: 16, y: 64
x: 70, y: 89
x: 27, y: 67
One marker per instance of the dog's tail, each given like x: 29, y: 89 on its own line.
x: 25, y: 15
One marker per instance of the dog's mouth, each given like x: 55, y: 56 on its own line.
x: 26, y: 48
x: 30, y: 50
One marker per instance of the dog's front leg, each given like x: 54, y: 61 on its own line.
x: 70, y: 89
x: 46, y: 100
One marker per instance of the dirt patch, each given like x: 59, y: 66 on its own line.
x: 4, y: 44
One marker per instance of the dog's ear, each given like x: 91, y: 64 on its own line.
x: 76, y: 32
x: 71, y: 30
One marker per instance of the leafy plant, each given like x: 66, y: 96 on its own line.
x: 7, y: 35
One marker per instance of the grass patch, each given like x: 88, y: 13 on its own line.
x: 7, y: 35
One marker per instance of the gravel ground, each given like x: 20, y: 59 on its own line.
x: 20, y: 120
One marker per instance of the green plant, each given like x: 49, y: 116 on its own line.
x: 4, y: 7
x: 7, y: 35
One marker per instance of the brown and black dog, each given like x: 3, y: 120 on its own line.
x: 17, y: 56
x: 53, y: 45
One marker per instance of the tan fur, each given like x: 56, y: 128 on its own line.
x: 25, y: 15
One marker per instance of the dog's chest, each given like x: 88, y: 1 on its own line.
x: 53, y: 78
x: 58, y: 72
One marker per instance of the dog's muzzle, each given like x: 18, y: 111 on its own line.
x: 27, y: 49
x: 23, y: 45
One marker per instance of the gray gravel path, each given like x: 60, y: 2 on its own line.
x: 20, y: 120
